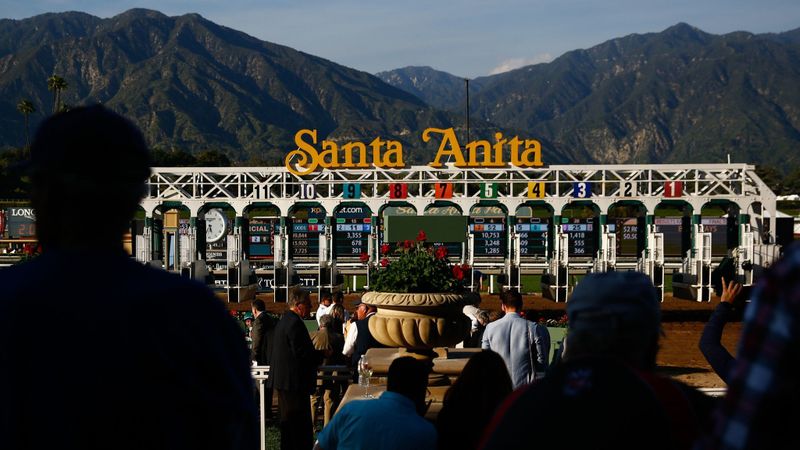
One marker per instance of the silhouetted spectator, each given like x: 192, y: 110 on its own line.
x: 761, y: 405
x: 293, y: 367
x: 476, y: 336
x: 339, y: 317
x: 329, y: 340
x: 471, y: 401
x: 711, y: 340
x: 604, y: 394
x: 391, y: 422
x: 523, y: 345
x: 263, y: 335
x: 146, y: 382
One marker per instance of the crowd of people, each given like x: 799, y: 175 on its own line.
x: 150, y: 382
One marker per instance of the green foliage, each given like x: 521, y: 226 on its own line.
x: 418, y: 268
x: 13, y: 183
x: 192, y: 84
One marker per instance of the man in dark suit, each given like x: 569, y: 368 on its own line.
x: 294, y: 368
x: 149, y: 381
x: 262, y: 335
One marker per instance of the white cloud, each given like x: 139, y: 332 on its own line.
x: 516, y: 63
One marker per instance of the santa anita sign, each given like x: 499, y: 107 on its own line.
x: 388, y: 154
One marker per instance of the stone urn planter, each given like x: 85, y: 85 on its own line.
x: 418, y: 323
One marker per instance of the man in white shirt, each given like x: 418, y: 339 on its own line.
x: 362, y: 311
x: 325, y: 305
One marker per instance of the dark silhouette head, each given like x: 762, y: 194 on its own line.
x: 484, y: 381
x: 84, y: 160
x: 409, y: 377
x: 615, y: 314
x: 259, y: 305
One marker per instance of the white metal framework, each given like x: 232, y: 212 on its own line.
x: 556, y: 187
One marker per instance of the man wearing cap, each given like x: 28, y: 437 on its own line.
x: 147, y: 382
x: 604, y: 394
x: 359, y: 339
x: 523, y: 345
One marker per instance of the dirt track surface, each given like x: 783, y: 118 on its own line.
x: 678, y: 357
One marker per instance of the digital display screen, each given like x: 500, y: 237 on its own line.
x: 489, y: 236
x: 533, y: 235
x: 674, y: 231
x: 582, y: 236
x: 628, y: 237
x: 20, y: 223
x: 305, y: 233
x: 351, y: 232
x: 261, y: 237
x: 718, y: 227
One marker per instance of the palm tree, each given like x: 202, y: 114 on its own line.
x: 56, y: 84
x: 26, y: 108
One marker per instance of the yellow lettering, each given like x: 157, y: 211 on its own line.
x: 495, y: 159
x: 533, y: 148
x: 448, y: 137
x: 330, y: 151
x: 305, y: 154
x: 473, y: 152
x: 514, y: 145
x: 348, y: 154
x: 376, y: 145
x: 393, y: 149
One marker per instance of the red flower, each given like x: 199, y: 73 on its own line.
x: 458, y: 274
x: 421, y: 237
x: 407, y: 243
x: 364, y: 257
x: 465, y: 267
x: 441, y: 252
x: 384, y: 262
x: 384, y: 249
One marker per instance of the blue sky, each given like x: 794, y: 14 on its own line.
x: 464, y: 37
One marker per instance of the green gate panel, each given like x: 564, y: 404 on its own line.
x: 436, y: 228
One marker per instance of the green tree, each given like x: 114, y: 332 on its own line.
x: 213, y: 158
x: 56, y: 84
x: 26, y: 108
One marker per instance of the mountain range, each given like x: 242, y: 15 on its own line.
x: 679, y: 95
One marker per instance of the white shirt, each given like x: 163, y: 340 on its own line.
x: 350, y: 340
x: 322, y: 310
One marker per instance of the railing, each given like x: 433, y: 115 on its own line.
x: 340, y: 374
x: 260, y: 376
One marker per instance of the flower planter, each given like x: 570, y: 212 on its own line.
x: 417, y: 321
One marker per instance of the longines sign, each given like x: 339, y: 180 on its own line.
x: 307, y: 158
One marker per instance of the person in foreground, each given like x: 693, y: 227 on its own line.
x: 604, y: 394
x: 393, y: 421
x: 763, y: 399
x: 294, y: 368
x: 470, y: 402
x: 148, y: 381
x: 523, y: 345
x: 711, y: 340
